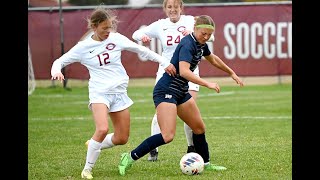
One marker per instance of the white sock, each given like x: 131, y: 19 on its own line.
x: 107, y: 142
x: 188, y: 132
x: 155, y: 129
x: 93, y: 152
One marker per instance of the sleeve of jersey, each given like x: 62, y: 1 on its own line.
x: 149, y: 30
x: 185, y: 53
x: 206, y: 51
x: 69, y: 57
x: 144, y: 52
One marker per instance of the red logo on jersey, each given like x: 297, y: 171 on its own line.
x: 181, y: 28
x: 110, y: 46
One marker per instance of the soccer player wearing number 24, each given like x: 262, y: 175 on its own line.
x: 101, y: 55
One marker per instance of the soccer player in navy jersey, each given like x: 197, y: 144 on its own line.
x: 171, y: 96
x: 100, y: 53
x: 169, y: 31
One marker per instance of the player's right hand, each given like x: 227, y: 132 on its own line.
x: 145, y: 39
x: 171, y: 70
x: 215, y: 86
x: 58, y: 76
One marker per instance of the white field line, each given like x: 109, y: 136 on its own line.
x: 149, y: 118
x: 136, y: 101
x: 131, y: 95
x: 216, y: 94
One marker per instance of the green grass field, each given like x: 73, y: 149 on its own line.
x: 249, y: 130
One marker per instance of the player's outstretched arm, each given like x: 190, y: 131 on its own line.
x: 56, y: 73
x: 186, y: 73
x: 217, y: 62
x: 148, y: 54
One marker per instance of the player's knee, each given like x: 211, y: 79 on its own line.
x: 121, y: 140
x: 102, y: 131
x: 199, y: 130
x: 168, y: 137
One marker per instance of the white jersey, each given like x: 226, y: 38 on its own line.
x: 103, y: 61
x: 168, y: 33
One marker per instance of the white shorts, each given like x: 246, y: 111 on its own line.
x: 192, y: 86
x: 115, y: 102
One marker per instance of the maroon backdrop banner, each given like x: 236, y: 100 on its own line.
x: 254, y: 40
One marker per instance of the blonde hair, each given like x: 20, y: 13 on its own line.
x: 101, y: 14
x: 165, y: 2
x: 204, y: 20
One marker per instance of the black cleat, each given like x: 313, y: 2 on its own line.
x: 153, y: 155
x: 191, y: 149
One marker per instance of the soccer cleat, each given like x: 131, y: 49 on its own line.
x: 125, y: 163
x: 191, y: 149
x: 86, y: 174
x: 153, y: 155
x: 212, y: 167
x: 87, y: 144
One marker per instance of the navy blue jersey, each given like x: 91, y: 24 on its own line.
x: 191, y: 51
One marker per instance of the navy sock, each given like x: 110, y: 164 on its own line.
x: 147, y: 145
x: 201, y: 146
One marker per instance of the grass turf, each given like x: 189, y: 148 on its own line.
x: 249, y: 131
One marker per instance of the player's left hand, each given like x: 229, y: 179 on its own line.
x: 237, y: 79
x: 171, y: 70
x: 186, y: 32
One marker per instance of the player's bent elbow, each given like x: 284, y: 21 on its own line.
x: 183, y: 74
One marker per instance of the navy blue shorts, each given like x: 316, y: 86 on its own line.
x: 164, y: 94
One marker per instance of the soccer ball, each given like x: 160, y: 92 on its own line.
x: 191, y: 164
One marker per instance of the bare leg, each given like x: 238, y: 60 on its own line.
x: 100, y: 116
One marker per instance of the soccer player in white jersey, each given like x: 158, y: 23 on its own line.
x: 101, y: 55
x: 170, y: 31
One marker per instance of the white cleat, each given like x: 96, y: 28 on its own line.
x: 86, y: 174
x: 87, y: 143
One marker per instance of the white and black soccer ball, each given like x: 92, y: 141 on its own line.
x: 191, y: 164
